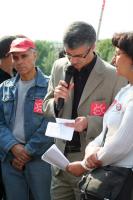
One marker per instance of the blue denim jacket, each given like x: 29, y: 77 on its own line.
x: 34, y: 123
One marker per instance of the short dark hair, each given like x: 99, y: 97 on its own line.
x: 78, y: 34
x: 124, y: 41
x: 5, y: 43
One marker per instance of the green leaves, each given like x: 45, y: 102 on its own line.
x: 105, y: 49
x: 47, y: 54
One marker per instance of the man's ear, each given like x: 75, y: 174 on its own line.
x: 94, y: 47
x: 35, y: 55
x: 0, y: 62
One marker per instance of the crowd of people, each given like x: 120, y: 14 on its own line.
x: 29, y: 100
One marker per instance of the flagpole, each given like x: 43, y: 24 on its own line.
x: 100, y: 20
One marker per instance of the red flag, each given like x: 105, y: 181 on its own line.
x: 103, y: 5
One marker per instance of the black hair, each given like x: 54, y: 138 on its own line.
x: 5, y: 43
x: 124, y: 41
x: 78, y: 34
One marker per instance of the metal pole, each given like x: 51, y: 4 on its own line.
x: 100, y: 20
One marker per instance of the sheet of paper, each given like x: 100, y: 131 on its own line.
x: 63, y: 121
x: 60, y: 130
x: 55, y: 157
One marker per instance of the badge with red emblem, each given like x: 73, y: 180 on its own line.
x: 98, y: 108
x: 38, y: 106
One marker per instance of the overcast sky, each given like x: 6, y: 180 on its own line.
x: 47, y: 19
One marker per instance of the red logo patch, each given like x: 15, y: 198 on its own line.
x: 98, y: 108
x: 38, y: 106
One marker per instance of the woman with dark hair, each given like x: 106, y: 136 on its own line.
x: 118, y: 121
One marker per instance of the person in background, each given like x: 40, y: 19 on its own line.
x: 6, y: 62
x: 22, y: 127
x: 6, y: 72
x: 91, y: 91
x: 118, y: 146
x: 61, y: 53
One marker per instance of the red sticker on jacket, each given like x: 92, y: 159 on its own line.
x: 98, y: 108
x: 38, y: 106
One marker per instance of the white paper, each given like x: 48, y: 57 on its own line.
x: 63, y: 121
x: 55, y: 157
x: 60, y: 130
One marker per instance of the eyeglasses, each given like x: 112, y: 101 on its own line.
x: 80, y: 56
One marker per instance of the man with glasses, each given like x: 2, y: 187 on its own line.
x: 89, y: 94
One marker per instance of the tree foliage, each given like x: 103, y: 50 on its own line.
x: 46, y: 55
x: 105, y: 49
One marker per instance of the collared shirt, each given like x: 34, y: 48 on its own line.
x: 4, y: 76
x: 80, y: 79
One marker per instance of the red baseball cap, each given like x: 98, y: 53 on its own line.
x: 21, y: 45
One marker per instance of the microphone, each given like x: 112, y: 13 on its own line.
x: 69, y: 73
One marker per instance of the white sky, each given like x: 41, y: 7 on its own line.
x: 47, y: 19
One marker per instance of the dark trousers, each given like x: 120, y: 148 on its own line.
x: 127, y: 188
x: 125, y: 193
x: 2, y: 191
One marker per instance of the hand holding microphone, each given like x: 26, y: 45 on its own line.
x: 62, y: 90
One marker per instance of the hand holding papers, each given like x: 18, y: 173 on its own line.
x: 55, y: 157
x: 59, y: 129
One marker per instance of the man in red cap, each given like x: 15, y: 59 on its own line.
x: 22, y: 127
